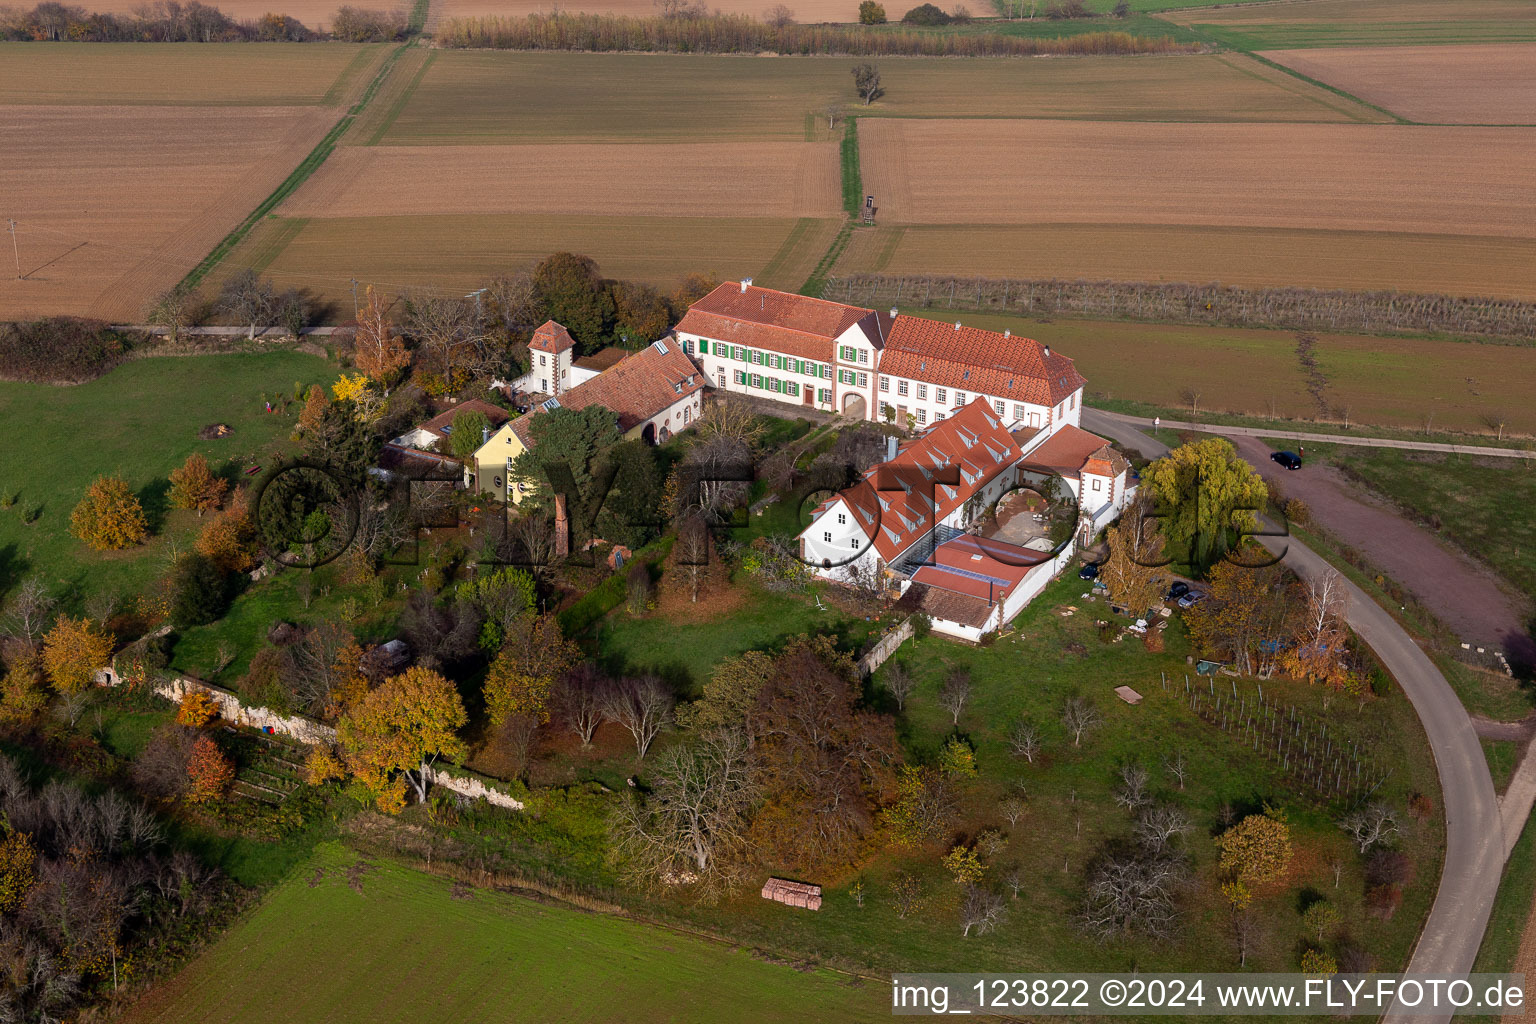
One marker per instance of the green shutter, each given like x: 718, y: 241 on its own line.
x: 703, y: 347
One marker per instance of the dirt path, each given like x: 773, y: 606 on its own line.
x: 1462, y: 594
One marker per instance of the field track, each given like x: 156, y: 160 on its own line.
x: 1321, y: 23
x: 806, y: 11
x: 741, y: 179
x: 1490, y: 84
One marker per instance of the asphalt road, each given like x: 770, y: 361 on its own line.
x: 1475, y: 846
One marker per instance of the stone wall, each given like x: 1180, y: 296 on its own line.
x: 886, y: 647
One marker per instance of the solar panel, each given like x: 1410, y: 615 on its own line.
x: 968, y: 574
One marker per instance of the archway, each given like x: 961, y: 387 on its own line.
x: 853, y: 406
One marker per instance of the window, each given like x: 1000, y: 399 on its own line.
x: 901, y: 387
x: 845, y: 377
x: 739, y: 376
x: 543, y: 360
x: 773, y: 384
x: 853, y: 542
x: 863, y: 356
x: 720, y: 376
x: 791, y: 388
x: 922, y: 391
x: 847, y: 354
x: 544, y: 384
x: 1018, y: 411
x: 757, y: 380
x: 757, y: 357
x: 738, y: 353
x: 940, y: 395
x: 959, y: 397
x: 687, y: 413
x: 863, y: 380
x: 824, y: 396
x: 997, y: 404
x: 1096, y: 485
x: 1072, y: 402
x: 688, y: 346
x: 885, y: 383
x: 842, y: 519
x: 827, y: 536
x: 922, y: 415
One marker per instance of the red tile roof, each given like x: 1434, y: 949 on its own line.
x: 1071, y: 450
x: 978, y: 361
x: 602, y: 359
x: 551, y: 337
x: 643, y: 384
x: 891, y: 504
x: 775, y: 321
x: 493, y: 413
x: 1003, y: 565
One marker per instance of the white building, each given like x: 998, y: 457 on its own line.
x: 1095, y: 475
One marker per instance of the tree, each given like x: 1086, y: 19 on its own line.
x: 957, y: 758
x: 1320, y: 918
x: 1079, y: 715
x: 209, y: 771
x: 1013, y: 807
x: 468, y: 433
x: 900, y: 681
x: 1315, y: 961
x: 174, y: 310
x: 1158, y: 826
x: 1255, y: 851
x: 503, y: 596
x: 343, y: 441
x: 229, y: 540
x: 23, y: 691
x: 1122, y: 9
x: 1177, y: 765
x: 1130, y: 573
x: 1206, y: 495
x: 197, y: 708
x: 906, y: 894
x: 1132, y: 792
x: 1495, y: 420
x: 199, y: 590
x: 1320, y: 652
x: 571, y: 289
x: 534, y: 655
x: 450, y: 338
x: 1023, y: 740
x: 247, y: 299
x: 377, y: 350
x: 402, y: 727
x: 871, y: 13
x: 730, y: 694
x: 109, y: 517
x: 578, y: 701
x: 72, y: 652
x: 1131, y: 891
x: 779, y: 16
x: 194, y: 486
x: 27, y: 611
x: 965, y: 864
x: 953, y: 694
x: 866, y: 82
x: 693, y: 823
x: 18, y: 869
x: 981, y: 909
x: 923, y: 808
x: 568, y: 437
x: 1370, y: 825
x: 1248, y: 616
x: 643, y: 706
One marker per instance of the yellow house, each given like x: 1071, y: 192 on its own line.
x: 493, y: 460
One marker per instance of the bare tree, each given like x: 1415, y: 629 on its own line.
x: 316, y: 670
x: 833, y: 110
x: 517, y: 735
x: 1016, y: 879
x: 1495, y: 420
x: 450, y: 333
x: 867, y: 576
x: 28, y: 612
x: 248, y: 299
x: 695, y: 817
x: 866, y: 80
x: 901, y: 682
x: 641, y: 705
x: 1177, y: 765
x: 1013, y: 807
x: 953, y: 694
x: 1024, y: 740
x: 1079, y: 715
x: 1370, y: 825
x: 1244, y: 929
x: 223, y: 657
x: 779, y: 16
x: 981, y: 909
x: 516, y: 301
x: 174, y: 310
x: 1132, y: 792
x: 1191, y: 397
x: 1159, y: 826
x: 1130, y: 893
x: 579, y: 701
x: 693, y: 547
x: 102, y: 605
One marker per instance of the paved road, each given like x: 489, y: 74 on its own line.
x: 1475, y: 841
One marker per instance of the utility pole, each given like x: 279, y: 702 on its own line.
x: 354, y: 298
x: 479, y: 312
x: 14, y: 248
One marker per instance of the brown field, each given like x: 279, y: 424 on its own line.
x: 182, y: 74
x: 1464, y: 181
x: 1382, y: 381
x: 806, y: 11
x: 1491, y: 266
x: 1479, y: 84
x: 457, y: 253
x: 500, y: 97
x: 114, y: 204
x: 315, y: 14
x: 738, y: 179
x: 1296, y: 12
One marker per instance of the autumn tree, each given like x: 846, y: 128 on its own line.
x: 109, y: 517
x: 197, y: 708
x: 72, y: 652
x: 533, y: 656
x: 1254, y: 852
x: 730, y: 694
x: 1320, y: 651
x: 693, y: 822
x: 827, y: 760
x: 209, y: 771
x: 229, y: 540
x: 1131, y: 571
x: 18, y: 869
x: 401, y: 728
x: 377, y: 350
x: 194, y: 486
x: 315, y: 401
x: 866, y: 82
x: 23, y: 690
x: 1206, y: 497
x: 1247, y: 616
x: 924, y: 807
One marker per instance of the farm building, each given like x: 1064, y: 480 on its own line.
x: 493, y: 461
x: 436, y: 431
x: 973, y: 585
x: 1096, y: 476
x: 880, y: 366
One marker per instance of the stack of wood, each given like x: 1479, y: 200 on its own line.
x: 793, y: 894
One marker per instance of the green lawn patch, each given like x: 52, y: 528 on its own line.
x: 1511, y: 908
x: 403, y: 945
x: 1503, y: 756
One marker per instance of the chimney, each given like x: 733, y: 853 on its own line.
x: 957, y: 325
x: 746, y: 283
x: 890, y: 448
x: 485, y: 434
x: 1047, y: 351
x: 893, y: 312
x: 1007, y: 332
x: 562, y: 529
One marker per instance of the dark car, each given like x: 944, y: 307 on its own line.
x: 1290, y: 460
x: 1088, y: 572
x: 1178, y: 590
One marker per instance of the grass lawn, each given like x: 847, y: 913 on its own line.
x: 1511, y: 909
x: 406, y: 947
x: 1503, y: 756
x: 141, y: 420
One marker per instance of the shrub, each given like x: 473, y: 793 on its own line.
x: 197, y: 708
x: 72, y: 652
x: 871, y: 13
x: 1315, y: 961
x: 1298, y: 512
x: 209, y: 771
x: 59, y: 350
x: 199, y: 590
x: 109, y: 517
x: 926, y: 15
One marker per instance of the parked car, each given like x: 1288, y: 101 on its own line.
x: 1191, y: 599
x: 1088, y: 572
x: 1290, y: 460
x: 1178, y: 590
